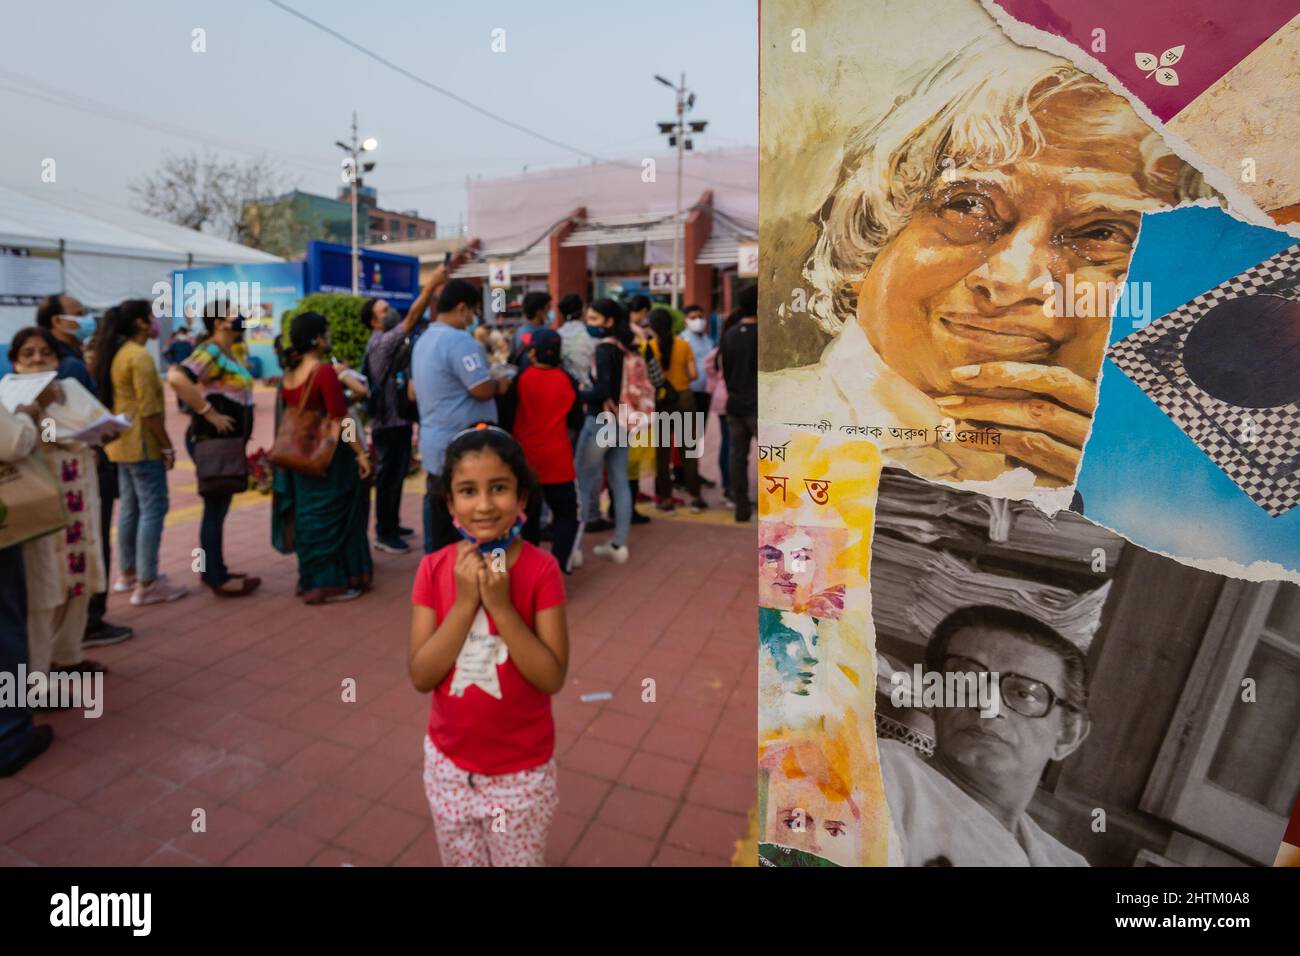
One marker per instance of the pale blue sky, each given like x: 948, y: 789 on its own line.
x: 577, y: 70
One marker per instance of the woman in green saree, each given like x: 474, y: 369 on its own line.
x: 322, y: 520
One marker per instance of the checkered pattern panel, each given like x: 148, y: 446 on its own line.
x: 1258, y: 448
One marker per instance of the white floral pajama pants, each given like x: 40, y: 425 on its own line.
x: 489, y: 820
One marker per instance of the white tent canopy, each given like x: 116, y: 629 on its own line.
x: 109, y: 253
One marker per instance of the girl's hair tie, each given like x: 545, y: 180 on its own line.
x: 481, y: 426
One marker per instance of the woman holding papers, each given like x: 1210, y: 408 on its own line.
x: 64, y: 568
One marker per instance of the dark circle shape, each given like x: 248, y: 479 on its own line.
x: 1246, y: 351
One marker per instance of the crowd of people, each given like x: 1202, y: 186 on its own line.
x: 512, y: 433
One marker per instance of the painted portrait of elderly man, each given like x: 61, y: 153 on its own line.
x: 1005, y: 170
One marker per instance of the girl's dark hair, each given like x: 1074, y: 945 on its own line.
x: 22, y: 335
x: 118, y: 326
x: 305, y: 329
x: 661, y: 324
x: 486, y: 436
x: 610, y: 309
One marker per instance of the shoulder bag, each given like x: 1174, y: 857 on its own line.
x: 31, y: 504
x: 306, y: 439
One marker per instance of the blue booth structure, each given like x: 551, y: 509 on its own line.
x: 281, y: 286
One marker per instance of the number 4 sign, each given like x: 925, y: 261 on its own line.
x: 499, y: 273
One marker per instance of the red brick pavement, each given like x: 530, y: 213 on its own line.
x: 235, y: 708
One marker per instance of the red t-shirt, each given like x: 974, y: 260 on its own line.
x: 545, y: 396
x: 480, y: 733
x: 326, y: 393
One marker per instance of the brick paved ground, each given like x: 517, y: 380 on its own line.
x: 235, y: 707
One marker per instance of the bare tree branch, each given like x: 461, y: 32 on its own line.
x: 207, y: 193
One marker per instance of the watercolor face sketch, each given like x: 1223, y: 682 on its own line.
x: 819, y: 794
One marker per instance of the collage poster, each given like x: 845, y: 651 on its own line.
x: 1034, y: 276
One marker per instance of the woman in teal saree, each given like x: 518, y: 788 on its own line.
x: 322, y: 520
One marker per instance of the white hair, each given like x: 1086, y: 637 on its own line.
x: 976, y: 108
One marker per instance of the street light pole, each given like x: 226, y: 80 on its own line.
x: 356, y: 272
x: 352, y: 176
x: 676, y: 130
x: 677, y: 222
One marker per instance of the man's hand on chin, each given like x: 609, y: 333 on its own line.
x: 1045, y: 430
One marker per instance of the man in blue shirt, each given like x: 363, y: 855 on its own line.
x: 454, y: 390
x: 697, y: 337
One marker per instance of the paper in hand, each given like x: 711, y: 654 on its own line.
x: 16, y: 390
x: 97, y: 431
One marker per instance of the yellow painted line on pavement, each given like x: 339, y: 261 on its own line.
x: 245, y: 499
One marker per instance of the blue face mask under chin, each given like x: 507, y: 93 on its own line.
x: 503, y: 542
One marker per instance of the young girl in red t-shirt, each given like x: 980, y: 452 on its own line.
x: 489, y: 639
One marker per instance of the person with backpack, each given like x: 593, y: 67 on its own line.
x: 674, y: 396
x: 386, y: 365
x: 621, y: 386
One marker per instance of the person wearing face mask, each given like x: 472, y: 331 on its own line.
x: 607, y: 325
x: 67, y: 320
x: 129, y: 384
x: 701, y: 343
x: 638, y: 317
x: 218, y: 390
x: 390, y: 429
x: 73, y: 331
x: 454, y: 389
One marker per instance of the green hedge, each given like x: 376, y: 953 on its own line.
x: 348, y: 335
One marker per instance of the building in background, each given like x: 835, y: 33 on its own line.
x: 607, y: 229
x: 287, y: 223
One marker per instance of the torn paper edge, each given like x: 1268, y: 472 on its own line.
x: 1240, y: 205
x: 1015, y: 484
x: 1258, y: 570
